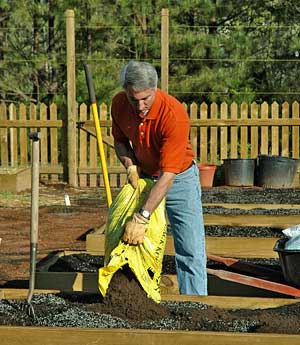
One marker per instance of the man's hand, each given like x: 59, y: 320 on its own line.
x: 135, y: 230
x: 133, y: 175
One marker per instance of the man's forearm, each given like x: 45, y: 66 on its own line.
x: 125, y: 154
x: 159, y: 191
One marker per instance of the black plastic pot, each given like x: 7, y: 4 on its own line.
x: 239, y: 172
x: 275, y: 171
x: 289, y: 261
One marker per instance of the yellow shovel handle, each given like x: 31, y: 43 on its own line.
x: 98, y: 132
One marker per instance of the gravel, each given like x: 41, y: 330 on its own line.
x: 242, y: 231
x: 237, y: 211
x: 240, y: 195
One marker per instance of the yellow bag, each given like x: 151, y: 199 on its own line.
x: 144, y: 260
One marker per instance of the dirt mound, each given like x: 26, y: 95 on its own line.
x: 126, y: 298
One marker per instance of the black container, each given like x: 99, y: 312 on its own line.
x: 289, y: 261
x: 239, y: 172
x: 275, y: 171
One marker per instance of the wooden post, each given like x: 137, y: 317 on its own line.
x: 165, y: 49
x: 71, y: 96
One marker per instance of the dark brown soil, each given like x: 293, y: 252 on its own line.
x: 128, y: 300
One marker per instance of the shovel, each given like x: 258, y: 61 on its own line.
x: 89, y: 81
x: 35, y: 137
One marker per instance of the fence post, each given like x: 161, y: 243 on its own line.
x: 71, y: 97
x: 165, y: 49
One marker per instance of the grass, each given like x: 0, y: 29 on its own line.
x: 8, y: 199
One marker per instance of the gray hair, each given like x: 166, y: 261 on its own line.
x: 139, y: 75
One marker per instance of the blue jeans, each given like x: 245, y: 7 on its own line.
x: 184, y: 209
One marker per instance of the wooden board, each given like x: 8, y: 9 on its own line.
x: 265, y: 220
x: 22, y: 293
x: 237, y: 247
x: 78, y: 336
x: 254, y: 206
x: 242, y: 247
x: 274, y: 221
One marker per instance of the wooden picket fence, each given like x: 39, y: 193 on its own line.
x: 218, y: 131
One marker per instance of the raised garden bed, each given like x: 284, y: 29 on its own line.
x: 189, y: 321
x: 126, y: 306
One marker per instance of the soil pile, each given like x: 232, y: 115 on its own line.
x: 126, y: 299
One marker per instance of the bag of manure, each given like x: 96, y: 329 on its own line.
x: 144, y: 260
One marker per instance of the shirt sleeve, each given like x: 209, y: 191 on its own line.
x: 175, y: 141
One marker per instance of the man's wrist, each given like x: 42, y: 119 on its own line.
x: 144, y: 213
x: 132, y: 168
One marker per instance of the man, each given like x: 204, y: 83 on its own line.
x: 151, y: 138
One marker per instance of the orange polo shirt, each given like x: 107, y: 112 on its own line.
x: 160, y: 140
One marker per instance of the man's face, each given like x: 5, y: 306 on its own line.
x: 141, y: 101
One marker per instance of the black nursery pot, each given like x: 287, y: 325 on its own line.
x: 239, y: 172
x: 275, y: 171
x: 289, y: 262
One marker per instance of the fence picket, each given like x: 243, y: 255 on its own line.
x: 203, y: 135
x: 13, y: 147
x: 264, y: 136
x: 3, y: 137
x: 214, y: 135
x: 53, y: 141
x: 32, y: 115
x: 23, y: 137
x: 233, y: 133
x: 82, y: 146
x: 285, y: 131
x: 275, y: 129
x: 244, y: 131
x: 120, y: 178
x: 254, y: 131
x: 295, y: 131
x: 194, y: 130
x: 224, y: 132
x: 44, y: 141
x: 109, y: 152
x: 295, y: 141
